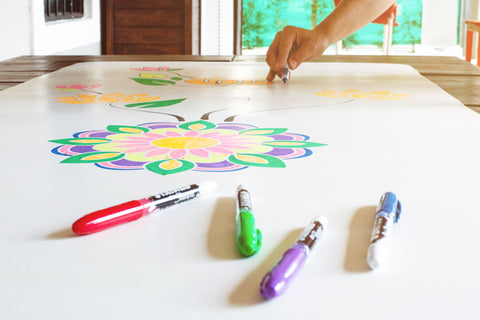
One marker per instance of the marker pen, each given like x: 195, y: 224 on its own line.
x: 388, y: 213
x: 135, y: 209
x: 249, y: 238
x: 285, y: 74
x: 285, y: 270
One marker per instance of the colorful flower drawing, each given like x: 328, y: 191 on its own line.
x: 169, y: 76
x: 169, y: 147
x: 156, y: 69
x: 219, y: 81
x: 358, y: 94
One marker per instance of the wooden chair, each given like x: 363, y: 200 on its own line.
x: 388, y: 19
x: 472, y: 26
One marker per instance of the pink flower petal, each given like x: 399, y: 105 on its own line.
x: 138, y: 138
x: 154, y: 135
x: 150, y: 69
x: 132, y: 145
x: 233, y: 146
x: 219, y: 150
x: 235, y: 141
x: 141, y: 149
x: 192, y: 133
x: 130, y: 142
x: 78, y: 86
x: 173, y: 134
x: 210, y: 134
x: 61, y: 87
x: 228, y: 136
x: 143, y: 141
x: 178, y: 153
x: 156, y: 152
x: 202, y: 153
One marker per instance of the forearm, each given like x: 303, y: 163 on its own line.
x: 295, y: 45
x: 348, y: 17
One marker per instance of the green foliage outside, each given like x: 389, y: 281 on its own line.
x: 262, y: 19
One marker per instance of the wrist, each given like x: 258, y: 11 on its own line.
x: 322, y: 39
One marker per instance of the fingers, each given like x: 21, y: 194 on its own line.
x: 279, y: 51
x: 271, y: 75
x: 312, y: 44
x: 293, y: 46
x: 287, y: 45
x: 272, y: 51
x: 300, y: 55
x: 272, y: 56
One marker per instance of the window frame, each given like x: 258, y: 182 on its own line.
x: 55, y: 10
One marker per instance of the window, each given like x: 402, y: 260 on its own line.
x: 63, y: 9
x: 262, y: 19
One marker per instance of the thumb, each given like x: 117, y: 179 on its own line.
x: 299, y: 56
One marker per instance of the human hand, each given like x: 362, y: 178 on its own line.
x: 294, y: 46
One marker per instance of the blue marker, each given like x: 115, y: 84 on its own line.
x: 388, y: 213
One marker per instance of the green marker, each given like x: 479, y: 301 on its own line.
x: 249, y: 238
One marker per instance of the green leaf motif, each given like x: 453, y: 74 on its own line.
x: 165, y: 167
x: 263, y: 131
x: 127, y: 129
x: 94, y: 157
x: 197, y: 125
x: 153, y: 82
x: 155, y: 104
x: 292, y: 144
x: 81, y: 141
x: 256, y: 160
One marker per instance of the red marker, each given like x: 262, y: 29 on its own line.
x: 135, y: 209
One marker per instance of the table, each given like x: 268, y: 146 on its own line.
x: 342, y: 153
x: 456, y: 76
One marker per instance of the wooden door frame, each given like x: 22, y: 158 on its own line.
x: 191, y: 18
x: 106, y: 25
x: 237, y: 27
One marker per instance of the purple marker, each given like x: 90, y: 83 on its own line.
x: 278, y: 279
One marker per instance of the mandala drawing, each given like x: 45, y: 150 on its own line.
x: 170, y: 147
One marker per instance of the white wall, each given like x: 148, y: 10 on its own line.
x: 23, y: 30
x: 439, y: 23
x: 53, y: 37
x: 15, y: 29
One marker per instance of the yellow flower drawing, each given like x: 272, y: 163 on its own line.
x: 358, y: 94
x: 106, y: 98
x: 219, y: 81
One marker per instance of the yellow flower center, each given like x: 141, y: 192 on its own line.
x: 185, y: 143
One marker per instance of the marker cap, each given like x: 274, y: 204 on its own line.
x: 389, y: 205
